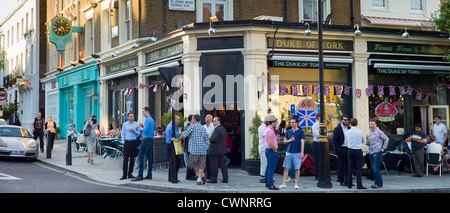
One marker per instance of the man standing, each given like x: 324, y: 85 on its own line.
x: 440, y: 131
x: 190, y: 173
x: 209, y: 126
x: 355, y: 139
x: 217, y: 150
x: 271, y: 151
x: 197, y: 147
x: 38, y: 128
x: 316, y: 148
x: 130, y: 130
x: 295, y: 138
x: 146, y: 148
x: 174, y: 164
x: 341, y: 149
x: 418, y: 142
x: 262, y: 149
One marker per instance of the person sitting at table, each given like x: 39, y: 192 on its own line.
x: 159, y: 132
x: 434, y: 148
x: 401, y: 162
x: 114, y: 131
x: 72, y: 132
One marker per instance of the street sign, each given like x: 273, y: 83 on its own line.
x: 3, y: 95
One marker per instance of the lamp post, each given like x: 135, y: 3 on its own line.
x: 323, y: 158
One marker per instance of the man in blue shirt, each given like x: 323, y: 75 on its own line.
x: 146, y: 148
x: 174, y: 164
x: 295, y: 138
x: 130, y: 130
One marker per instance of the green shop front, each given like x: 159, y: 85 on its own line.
x: 78, y: 96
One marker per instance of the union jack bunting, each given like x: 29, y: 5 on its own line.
x: 271, y: 88
x: 358, y: 93
x: 141, y: 85
x: 294, y: 89
x: 315, y: 89
x: 380, y: 90
x: 338, y: 90
x: 369, y: 90
x: 427, y: 96
x: 283, y: 89
x: 306, y: 89
x: 149, y: 86
x: 392, y: 91
x: 409, y: 90
x: 418, y: 96
x: 448, y: 86
x: 327, y: 90
x: 346, y: 90
x: 402, y: 90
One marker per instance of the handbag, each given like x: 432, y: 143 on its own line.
x: 81, y: 138
x: 88, y: 129
x: 178, y: 148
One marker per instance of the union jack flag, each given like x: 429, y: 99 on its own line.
x: 358, y: 93
x: 149, y: 86
x: 271, y: 88
x: 141, y: 85
x: 327, y: 90
x: 283, y: 89
x: 392, y: 91
x: 369, y: 90
x: 306, y: 89
x: 380, y: 90
x: 409, y: 90
x: 306, y: 117
x: 427, y: 96
x: 315, y: 89
x: 338, y: 90
x: 294, y: 89
x: 346, y: 90
x: 418, y: 96
x: 402, y: 90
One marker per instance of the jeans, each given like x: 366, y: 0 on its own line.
x: 146, y: 149
x: 375, y: 159
x: 272, y: 158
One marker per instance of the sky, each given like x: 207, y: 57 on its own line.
x: 6, y: 7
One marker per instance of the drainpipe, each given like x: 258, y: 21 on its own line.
x: 352, y: 16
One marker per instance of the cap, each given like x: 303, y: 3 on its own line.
x: 270, y: 118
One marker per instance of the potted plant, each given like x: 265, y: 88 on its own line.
x: 253, y: 164
x: 167, y: 118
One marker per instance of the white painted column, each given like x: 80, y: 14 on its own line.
x: 360, y: 81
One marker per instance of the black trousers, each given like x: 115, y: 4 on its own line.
x: 174, y: 163
x: 217, y: 162
x: 355, y: 162
x: 37, y: 134
x: 129, y: 153
x: 342, y: 164
x: 316, y: 158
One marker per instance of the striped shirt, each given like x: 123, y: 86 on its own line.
x: 197, y: 139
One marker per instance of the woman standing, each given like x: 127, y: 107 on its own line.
x: 91, y: 136
x: 378, y: 142
x: 50, y: 126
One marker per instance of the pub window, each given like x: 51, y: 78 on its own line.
x: 381, y: 108
x: 417, y: 5
x: 379, y: 4
x: 308, y: 10
x: 209, y: 8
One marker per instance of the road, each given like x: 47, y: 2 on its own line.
x: 23, y: 176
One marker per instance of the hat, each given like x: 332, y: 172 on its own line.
x: 270, y: 118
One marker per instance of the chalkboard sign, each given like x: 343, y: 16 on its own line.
x: 160, y: 155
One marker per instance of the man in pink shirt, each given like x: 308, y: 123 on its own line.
x: 271, y: 151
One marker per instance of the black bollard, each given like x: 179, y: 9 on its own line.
x: 69, y: 151
x: 49, y: 151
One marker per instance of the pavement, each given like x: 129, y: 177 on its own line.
x: 239, y: 180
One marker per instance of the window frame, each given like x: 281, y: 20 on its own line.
x: 301, y: 14
x: 228, y: 9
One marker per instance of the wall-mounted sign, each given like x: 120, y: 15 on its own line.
x: 123, y: 65
x: 287, y: 43
x: 184, y: 5
x: 409, y: 71
x: 60, y: 32
x: 164, y: 53
x: 405, y: 48
x: 307, y: 64
x: 386, y: 112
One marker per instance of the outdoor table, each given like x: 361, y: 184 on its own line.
x: 398, y: 152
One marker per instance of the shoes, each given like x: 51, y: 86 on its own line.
x: 204, y: 178
x: 262, y: 180
x: 224, y: 181
x: 123, y: 178
x: 273, y: 188
x: 131, y: 176
x: 282, y: 186
x: 290, y: 180
x: 148, y: 178
x: 416, y: 175
x: 296, y: 186
x: 199, y: 183
x: 138, y: 179
x: 362, y: 187
x: 210, y: 181
x: 376, y: 186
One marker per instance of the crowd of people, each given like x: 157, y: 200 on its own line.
x: 347, y: 142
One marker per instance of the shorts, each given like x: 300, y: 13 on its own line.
x: 292, y: 159
x: 195, y: 161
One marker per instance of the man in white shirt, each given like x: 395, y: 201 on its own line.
x: 354, y: 138
x: 262, y: 149
x: 440, y: 131
x: 316, y: 133
x: 209, y: 126
x: 434, y: 147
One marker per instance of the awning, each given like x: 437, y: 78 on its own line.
x: 396, y: 21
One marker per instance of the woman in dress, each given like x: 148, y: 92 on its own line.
x: 91, y: 138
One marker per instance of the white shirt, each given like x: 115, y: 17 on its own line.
x: 344, y: 130
x: 434, y: 148
x: 439, y: 131
x: 355, y: 138
x: 209, y: 131
x: 316, y: 131
x: 262, y: 142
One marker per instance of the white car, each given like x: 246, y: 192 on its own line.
x: 16, y: 141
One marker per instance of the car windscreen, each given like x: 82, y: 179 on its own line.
x: 14, y: 132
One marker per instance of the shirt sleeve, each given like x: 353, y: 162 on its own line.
x: 137, y: 131
x: 385, y: 139
x: 188, y: 131
x: 123, y: 132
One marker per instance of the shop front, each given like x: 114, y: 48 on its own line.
x: 78, y: 96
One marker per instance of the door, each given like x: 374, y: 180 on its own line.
x: 441, y: 110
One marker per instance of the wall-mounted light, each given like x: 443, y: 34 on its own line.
x: 211, y: 30
x: 405, y: 35
x: 82, y: 61
x: 113, y: 54
x: 73, y: 63
x: 307, y: 31
x: 357, y: 32
x: 154, y: 38
x: 95, y: 96
x: 60, y: 69
x: 95, y: 56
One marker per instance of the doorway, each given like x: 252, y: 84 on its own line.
x: 420, y: 114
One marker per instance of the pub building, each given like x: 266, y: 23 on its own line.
x: 283, y: 70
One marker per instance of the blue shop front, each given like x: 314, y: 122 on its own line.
x: 78, y: 96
